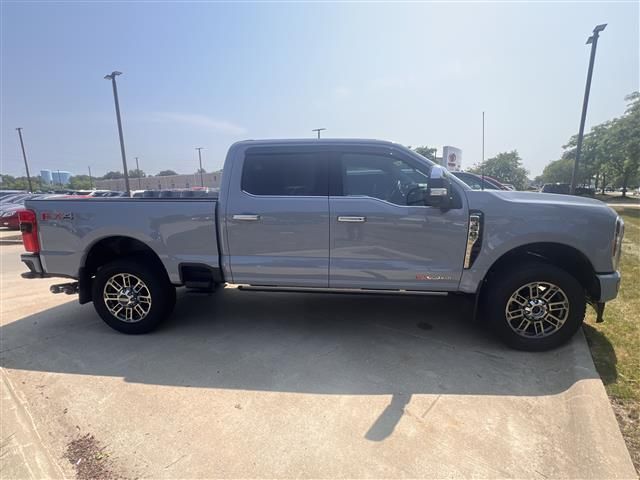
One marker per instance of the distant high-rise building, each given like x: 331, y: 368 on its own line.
x: 55, y: 177
x: 45, y: 176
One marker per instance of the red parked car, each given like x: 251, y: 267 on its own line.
x: 9, y: 216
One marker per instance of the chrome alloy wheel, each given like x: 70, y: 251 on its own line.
x: 127, y: 297
x: 537, y: 309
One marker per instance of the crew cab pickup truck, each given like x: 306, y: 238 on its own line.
x: 356, y: 216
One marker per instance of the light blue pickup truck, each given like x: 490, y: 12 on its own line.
x: 354, y: 216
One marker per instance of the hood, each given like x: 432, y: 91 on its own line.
x: 546, y: 198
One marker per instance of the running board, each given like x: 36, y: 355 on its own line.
x: 369, y: 291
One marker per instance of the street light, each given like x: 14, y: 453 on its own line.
x: 24, y: 155
x: 200, y: 160
x: 90, y: 179
x: 138, y: 172
x: 318, y: 130
x: 593, y: 41
x: 112, y: 76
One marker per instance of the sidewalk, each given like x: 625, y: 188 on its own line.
x: 22, y: 453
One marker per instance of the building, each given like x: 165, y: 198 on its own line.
x: 210, y: 180
x: 55, y: 177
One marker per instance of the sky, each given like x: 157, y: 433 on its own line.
x: 208, y: 74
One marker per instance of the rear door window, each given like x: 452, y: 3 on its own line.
x: 286, y: 174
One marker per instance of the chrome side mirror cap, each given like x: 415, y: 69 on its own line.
x: 439, y: 190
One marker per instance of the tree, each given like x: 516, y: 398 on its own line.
x: 80, y: 182
x: 166, y: 173
x: 426, y: 152
x: 623, y: 140
x: 610, y: 153
x: 12, y: 183
x: 135, y: 173
x: 558, y: 171
x: 113, y: 175
x: 505, y: 167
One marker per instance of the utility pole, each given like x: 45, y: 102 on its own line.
x: 138, y: 172
x: 24, y: 155
x: 59, y: 178
x: 482, y: 164
x: 200, y: 160
x: 593, y: 41
x: 112, y: 76
x: 90, y: 180
x: 318, y: 130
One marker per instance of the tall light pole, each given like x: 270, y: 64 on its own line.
x: 318, y: 130
x: 24, y: 155
x: 593, y: 40
x: 482, y: 164
x: 112, y: 76
x: 138, y: 172
x: 90, y: 179
x: 200, y: 160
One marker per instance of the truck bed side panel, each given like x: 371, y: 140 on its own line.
x: 178, y: 231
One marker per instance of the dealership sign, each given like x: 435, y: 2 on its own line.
x: 452, y: 158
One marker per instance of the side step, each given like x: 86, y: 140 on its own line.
x: 368, y: 291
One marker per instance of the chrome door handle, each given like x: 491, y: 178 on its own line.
x: 247, y: 218
x: 352, y: 219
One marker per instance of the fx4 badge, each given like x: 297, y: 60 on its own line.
x: 57, y: 216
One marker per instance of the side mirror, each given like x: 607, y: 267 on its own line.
x: 439, y: 189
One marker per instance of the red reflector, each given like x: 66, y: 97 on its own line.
x: 29, y: 229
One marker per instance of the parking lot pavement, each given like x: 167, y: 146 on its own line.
x: 241, y: 384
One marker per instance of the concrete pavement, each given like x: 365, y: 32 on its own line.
x: 242, y: 384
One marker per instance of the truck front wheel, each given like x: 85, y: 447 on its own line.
x: 535, y: 307
x: 132, y: 297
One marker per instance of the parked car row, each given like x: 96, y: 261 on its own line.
x: 176, y: 193
x: 479, y: 182
x: 10, y: 205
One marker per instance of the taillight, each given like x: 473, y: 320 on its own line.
x: 29, y: 229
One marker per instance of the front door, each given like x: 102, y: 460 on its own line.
x: 278, y: 224
x: 380, y: 241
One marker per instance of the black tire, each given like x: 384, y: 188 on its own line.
x: 505, y: 283
x: 162, y: 295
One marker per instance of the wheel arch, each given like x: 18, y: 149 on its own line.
x: 569, y: 258
x: 110, y: 248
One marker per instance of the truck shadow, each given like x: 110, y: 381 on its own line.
x: 303, y: 343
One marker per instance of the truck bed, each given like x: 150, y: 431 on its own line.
x: 179, y: 230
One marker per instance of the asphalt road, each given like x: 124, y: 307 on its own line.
x: 245, y: 384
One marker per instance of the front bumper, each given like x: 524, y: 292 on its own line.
x: 609, y: 285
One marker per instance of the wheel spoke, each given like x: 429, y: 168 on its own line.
x: 514, y: 315
x: 550, y: 292
x: 523, y: 325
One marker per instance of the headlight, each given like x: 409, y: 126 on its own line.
x: 617, y: 242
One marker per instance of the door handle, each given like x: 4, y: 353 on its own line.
x: 352, y: 219
x: 247, y: 218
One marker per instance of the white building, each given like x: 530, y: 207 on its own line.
x: 55, y: 177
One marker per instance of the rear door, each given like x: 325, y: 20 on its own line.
x: 378, y: 240
x: 277, y: 222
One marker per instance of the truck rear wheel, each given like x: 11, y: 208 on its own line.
x: 535, y: 307
x: 132, y: 297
